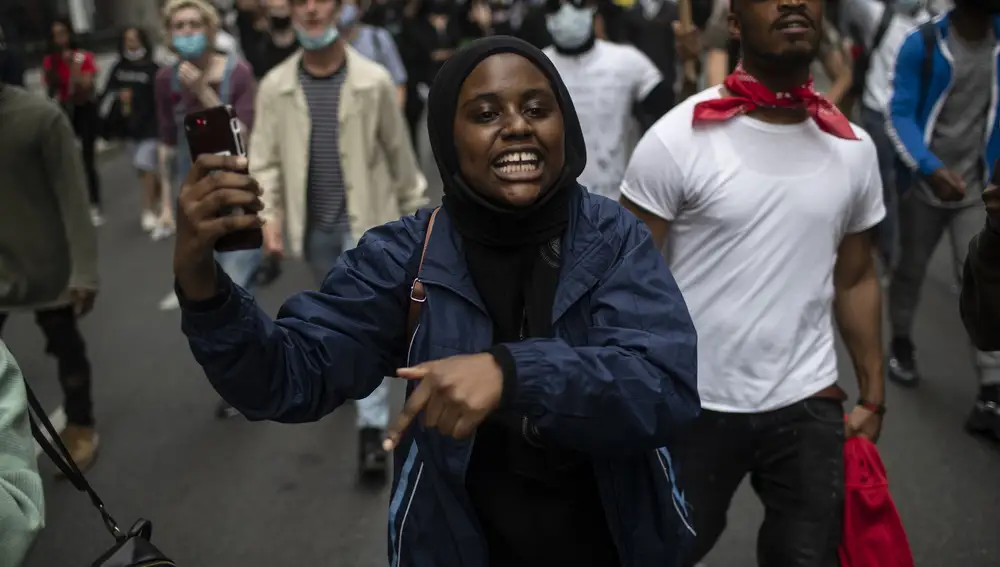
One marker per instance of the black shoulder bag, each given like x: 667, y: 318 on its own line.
x: 131, y: 549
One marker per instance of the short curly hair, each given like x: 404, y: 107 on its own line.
x: 208, y: 12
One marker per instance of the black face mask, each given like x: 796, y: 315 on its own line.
x: 281, y: 23
x: 376, y: 15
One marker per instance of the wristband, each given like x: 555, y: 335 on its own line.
x: 877, y: 409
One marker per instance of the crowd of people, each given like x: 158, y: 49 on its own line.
x: 544, y: 217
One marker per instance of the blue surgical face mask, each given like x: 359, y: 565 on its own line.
x: 570, y: 27
x: 190, y: 46
x: 349, y: 16
x: 315, y: 42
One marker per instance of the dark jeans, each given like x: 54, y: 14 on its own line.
x: 795, y: 459
x: 64, y: 342
x: 86, y: 123
x: 887, y: 232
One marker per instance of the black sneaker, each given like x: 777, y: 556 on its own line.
x: 985, y: 416
x: 902, y: 368
x: 225, y: 411
x: 372, y: 459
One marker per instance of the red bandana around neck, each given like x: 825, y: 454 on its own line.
x: 747, y: 94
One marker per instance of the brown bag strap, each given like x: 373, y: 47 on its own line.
x: 417, y: 294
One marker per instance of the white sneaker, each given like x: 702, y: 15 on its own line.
x: 95, y: 216
x: 170, y: 302
x: 148, y: 221
x: 161, y: 231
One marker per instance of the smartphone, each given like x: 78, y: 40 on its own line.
x: 217, y: 131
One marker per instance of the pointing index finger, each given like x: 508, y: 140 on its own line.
x: 413, y: 373
x: 414, y: 405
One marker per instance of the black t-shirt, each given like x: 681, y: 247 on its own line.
x: 258, y: 46
x: 139, y: 77
x: 267, y: 55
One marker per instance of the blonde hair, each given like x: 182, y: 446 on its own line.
x: 208, y: 13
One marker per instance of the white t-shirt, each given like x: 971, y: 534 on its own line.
x: 757, y: 212
x: 605, y: 83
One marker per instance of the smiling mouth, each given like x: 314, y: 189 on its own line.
x: 794, y: 25
x: 520, y: 165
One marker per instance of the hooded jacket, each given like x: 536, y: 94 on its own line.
x: 616, y: 381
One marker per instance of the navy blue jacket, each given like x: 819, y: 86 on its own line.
x: 618, y: 381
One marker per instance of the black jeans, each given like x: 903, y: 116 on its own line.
x: 86, y: 122
x: 795, y: 458
x: 64, y: 342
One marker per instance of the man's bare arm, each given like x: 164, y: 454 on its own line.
x: 657, y: 226
x: 858, y: 310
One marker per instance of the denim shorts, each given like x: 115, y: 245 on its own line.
x: 143, y: 154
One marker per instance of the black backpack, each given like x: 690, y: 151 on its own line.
x: 863, y: 62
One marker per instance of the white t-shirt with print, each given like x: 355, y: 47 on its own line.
x: 605, y: 84
x: 757, y: 212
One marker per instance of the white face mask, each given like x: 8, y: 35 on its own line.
x: 570, y: 27
x: 134, y: 54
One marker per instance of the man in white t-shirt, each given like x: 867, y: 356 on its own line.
x: 762, y: 195
x: 611, y: 85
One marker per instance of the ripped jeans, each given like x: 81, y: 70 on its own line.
x: 795, y: 459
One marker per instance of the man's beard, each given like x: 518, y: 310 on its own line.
x: 787, y: 60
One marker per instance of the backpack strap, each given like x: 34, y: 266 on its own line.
x: 863, y: 63
x: 227, y: 73
x: 379, y: 48
x: 175, y: 80
x: 417, y: 294
x: 883, y: 26
x: 929, y: 35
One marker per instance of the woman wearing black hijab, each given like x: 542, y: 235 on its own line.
x: 549, y: 356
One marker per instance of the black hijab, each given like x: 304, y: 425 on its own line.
x: 477, y: 217
x: 512, y: 252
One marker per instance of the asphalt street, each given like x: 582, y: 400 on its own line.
x: 231, y: 493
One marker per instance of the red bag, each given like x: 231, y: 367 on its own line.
x: 873, y: 533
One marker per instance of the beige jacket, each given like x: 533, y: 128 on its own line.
x: 381, y: 178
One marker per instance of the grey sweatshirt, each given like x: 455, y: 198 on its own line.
x: 47, y: 241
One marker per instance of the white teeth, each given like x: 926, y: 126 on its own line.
x: 518, y: 168
x: 519, y: 157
